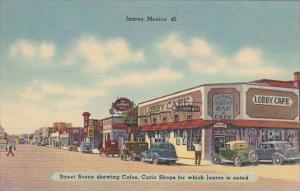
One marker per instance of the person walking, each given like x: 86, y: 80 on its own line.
x: 198, y: 149
x: 10, y: 148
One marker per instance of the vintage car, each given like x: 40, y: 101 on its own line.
x: 237, y: 152
x: 86, y: 147
x: 161, y: 152
x: 277, y: 152
x: 111, y: 149
x: 133, y: 150
x: 73, y: 146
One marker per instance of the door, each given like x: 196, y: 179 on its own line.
x: 219, y: 142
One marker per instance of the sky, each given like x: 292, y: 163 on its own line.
x: 61, y: 58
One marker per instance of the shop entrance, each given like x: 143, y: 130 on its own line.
x: 221, y: 140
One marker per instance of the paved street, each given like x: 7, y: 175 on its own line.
x: 32, y: 167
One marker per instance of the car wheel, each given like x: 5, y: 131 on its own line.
x: 237, y: 161
x: 277, y: 160
x: 215, y: 159
x: 172, y: 162
x: 253, y: 157
x: 155, y: 160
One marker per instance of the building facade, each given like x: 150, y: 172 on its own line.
x: 115, y: 128
x: 219, y: 113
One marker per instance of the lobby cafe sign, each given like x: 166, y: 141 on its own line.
x: 272, y: 100
x: 183, y: 104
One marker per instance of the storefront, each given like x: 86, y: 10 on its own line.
x: 54, y: 139
x: 64, y: 140
x: 114, y: 128
x: 219, y: 113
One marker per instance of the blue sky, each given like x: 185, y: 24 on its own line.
x: 61, y: 58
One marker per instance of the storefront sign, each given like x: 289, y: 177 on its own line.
x: 272, y: 100
x: 122, y: 104
x: 223, y: 106
x: 220, y: 125
x: 187, y: 108
x: 170, y: 105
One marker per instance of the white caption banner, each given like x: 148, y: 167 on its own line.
x: 152, y: 177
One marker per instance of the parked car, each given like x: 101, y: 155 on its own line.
x: 133, y: 150
x: 111, y: 149
x: 237, y: 152
x: 73, y: 146
x: 161, y: 152
x: 277, y: 152
x: 86, y: 147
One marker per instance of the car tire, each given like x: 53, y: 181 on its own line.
x: 172, y: 162
x: 237, y: 161
x: 253, y: 157
x: 155, y: 160
x: 277, y: 160
x: 215, y: 159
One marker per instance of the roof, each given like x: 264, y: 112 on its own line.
x: 265, y: 124
x: 277, y: 83
x: 176, y: 125
x: 197, y: 123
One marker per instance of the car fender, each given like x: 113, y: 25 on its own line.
x: 280, y: 155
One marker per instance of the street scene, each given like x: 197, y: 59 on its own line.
x: 36, y: 172
x: 138, y: 95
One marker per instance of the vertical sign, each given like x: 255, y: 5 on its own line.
x: 223, y: 106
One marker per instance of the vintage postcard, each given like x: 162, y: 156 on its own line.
x: 149, y: 95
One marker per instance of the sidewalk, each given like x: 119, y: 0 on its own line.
x: 191, y: 162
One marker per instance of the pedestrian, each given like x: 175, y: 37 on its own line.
x: 124, y: 152
x: 10, y: 147
x: 198, y: 149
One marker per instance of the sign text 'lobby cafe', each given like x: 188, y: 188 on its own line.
x: 219, y: 113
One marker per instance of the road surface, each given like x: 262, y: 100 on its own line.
x: 32, y: 167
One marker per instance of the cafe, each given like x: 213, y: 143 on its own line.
x: 219, y: 113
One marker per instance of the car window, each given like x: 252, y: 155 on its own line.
x: 166, y: 146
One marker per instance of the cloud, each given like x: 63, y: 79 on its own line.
x: 101, y: 55
x: 162, y: 74
x: 203, y: 58
x: 59, y: 97
x: 24, y: 49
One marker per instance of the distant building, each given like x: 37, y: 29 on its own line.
x: 115, y: 128
x: 92, y: 130
x: 1, y: 132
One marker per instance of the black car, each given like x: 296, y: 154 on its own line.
x: 161, y: 152
x: 277, y: 152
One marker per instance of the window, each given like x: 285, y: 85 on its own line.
x: 176, y: 117
x: 145, y: 121
x: 271, y: 135
x: 189, y: 116
x: 165, y: 118
x: 193, y: 135
x: 154, y: 120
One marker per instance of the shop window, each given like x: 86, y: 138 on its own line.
x: 154, y: 120
x: 184, y: 137
x: 189, y: 116
x: 165, y: 118
x: 194, y: 136
x: 145, y: 121
x: 176, y: 117
x: 271, y: 135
